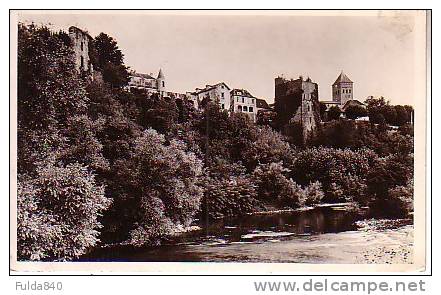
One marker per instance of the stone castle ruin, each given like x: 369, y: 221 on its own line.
x: 296, y: 102
x: 80, y: 44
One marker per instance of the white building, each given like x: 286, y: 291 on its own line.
x: 148, y: 83
x: 243, y: 102
x: 219, y: 93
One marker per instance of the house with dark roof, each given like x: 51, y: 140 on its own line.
x: 261, y: 104
x: 147, y: 82
x: 243, y: 102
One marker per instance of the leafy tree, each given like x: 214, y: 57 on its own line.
x: 160, y: 114
x: 268, y: 146
x: 381, y: 112
x: 161, y: 185
x: 334, y: 113
x: 275, y: 188
x: 110, y: 60
x: 49, y: 88
x: 57, y: 212
x: 385, y: 183
x: 402, y: 115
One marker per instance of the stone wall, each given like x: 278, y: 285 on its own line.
x: 80, y: 45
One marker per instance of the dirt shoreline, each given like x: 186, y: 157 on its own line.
x: 387, y: 244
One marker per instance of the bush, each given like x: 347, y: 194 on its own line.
x: 275, y: 188
x: 58, y: 213
x: 229, y: 197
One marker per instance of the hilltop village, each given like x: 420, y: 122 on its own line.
x: 295, y: 100
x: 108, y: 156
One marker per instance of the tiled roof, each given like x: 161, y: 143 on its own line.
x: 342, y: 78
x: 241, y: 92
x: 210, y: 87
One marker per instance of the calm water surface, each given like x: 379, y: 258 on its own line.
x: 321, y: 235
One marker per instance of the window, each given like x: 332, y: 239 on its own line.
x: 250, y: 109
x: 82, y: 62
x: 310, y: 120
x: 82, y: 46
x: 245, y: 108
x: 252, y: 100
x: 239, y: 108
x: 350, y: 90
x: 223, y: 106
x: 222, y: 95
x: 309, y: 108
x: 243, y: 100
x: 163, y: 83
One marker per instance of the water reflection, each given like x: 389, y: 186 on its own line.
x: 248, y: 238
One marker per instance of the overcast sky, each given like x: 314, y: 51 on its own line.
x: 248, y: 51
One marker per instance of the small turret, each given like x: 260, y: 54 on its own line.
x: 161, y: 82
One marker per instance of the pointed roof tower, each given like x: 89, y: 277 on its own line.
x: 160, y: 75
x: 342, y: 78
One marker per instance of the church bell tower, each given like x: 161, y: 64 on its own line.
x: 342, y: 89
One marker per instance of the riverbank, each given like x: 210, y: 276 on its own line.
x: 390, y: 241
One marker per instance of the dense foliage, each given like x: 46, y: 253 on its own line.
x: 97, y: 163
x: 59, y: 200
x: 162, y: 181
x: 381, y: 111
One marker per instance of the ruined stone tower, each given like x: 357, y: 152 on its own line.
x: 296, y: 101
x: 80, y: 44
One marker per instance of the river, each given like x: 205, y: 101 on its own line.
x: 321, y: 235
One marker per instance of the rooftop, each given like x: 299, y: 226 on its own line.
x: 210, y: 87
x: 145, y: 76
x: 241, y: 92
x: 262, y: 104
x: 342, y: 79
